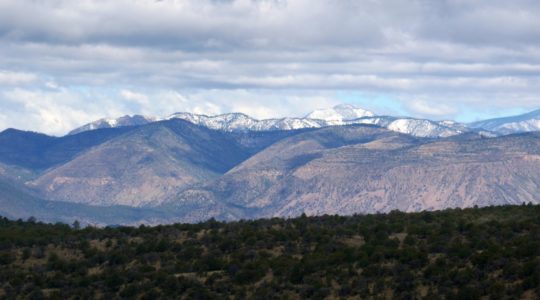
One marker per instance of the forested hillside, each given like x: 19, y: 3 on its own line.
x: 451, y: 254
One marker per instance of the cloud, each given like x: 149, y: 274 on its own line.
x: 424, y: 108
x: 135, y: 97
x: 475, y: 23
x: 57, y: 111
x: 51, y: 112
x: 97, y: 58
x: 16, y: 78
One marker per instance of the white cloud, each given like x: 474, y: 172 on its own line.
x: 59, y: 111
x: 135, y: 97
x: 424, y: 108
x: 53, y: 111
x: 259, y: 104
x: 94, y: 58
x: 39, y: 110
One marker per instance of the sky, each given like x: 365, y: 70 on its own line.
x: 64, y: 63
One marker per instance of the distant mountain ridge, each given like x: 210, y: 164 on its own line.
x: 507, y: 125
x: 113, y: 123
x: 344, y: 114
x: 243, y: 122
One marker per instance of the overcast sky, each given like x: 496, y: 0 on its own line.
x: 64, y: 63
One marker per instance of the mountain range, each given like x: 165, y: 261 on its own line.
x: 342, y: 160
x: 344, y: 114
x: 508, y: 125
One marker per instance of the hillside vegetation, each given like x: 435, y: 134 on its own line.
x: 451, y: 254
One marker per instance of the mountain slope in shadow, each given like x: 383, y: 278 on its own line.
x: 148, y: 164
x: 17, y: 203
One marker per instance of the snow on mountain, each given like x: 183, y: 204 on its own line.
x: 237, y: 121
x: 349, y: 114
x: 411, y: 126
x: 288, y: 124
x: 508, y: 125
x: 339, y: 113
x: 242, y: 122
x: 422, y: 128
x: 227, y: 122
x: 112, y: 123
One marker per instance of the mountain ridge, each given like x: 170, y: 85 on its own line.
x: 123, y: 121
x: 514, y: 124
x: 344, y: 114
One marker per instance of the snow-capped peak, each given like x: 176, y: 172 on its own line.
x: 112, y: 122
x: 227, y: 122
x: 126, y: 120
x: 344, y: 114
x: 507, y: 125
x: 339, y: 113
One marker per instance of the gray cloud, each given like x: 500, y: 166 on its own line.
x: 66, y: 62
